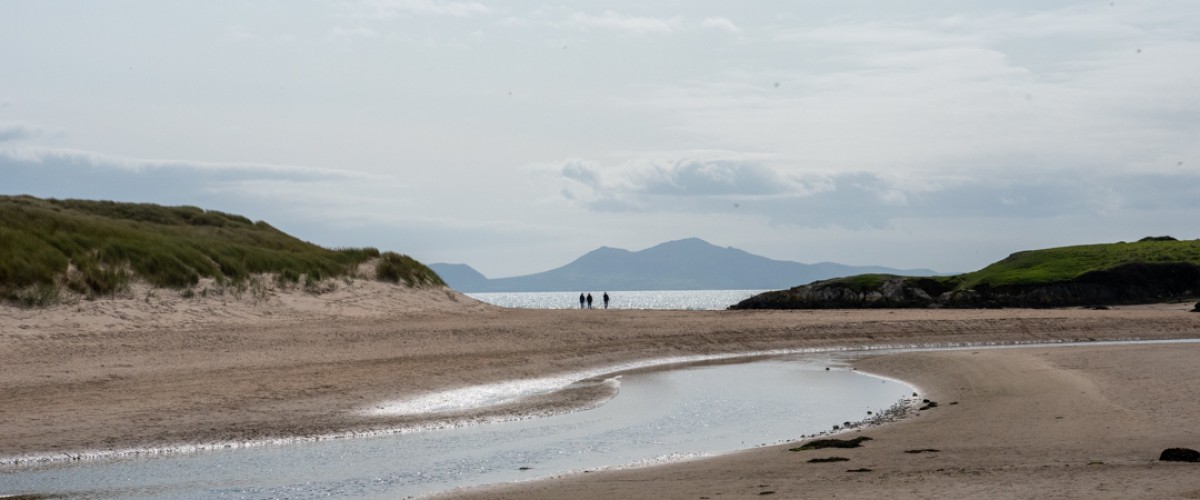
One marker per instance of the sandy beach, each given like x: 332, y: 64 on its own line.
x: 158, y: 370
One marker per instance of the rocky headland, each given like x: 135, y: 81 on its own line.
x: 1037, y: 279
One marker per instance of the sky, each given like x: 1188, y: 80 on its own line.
x: 517, y: 136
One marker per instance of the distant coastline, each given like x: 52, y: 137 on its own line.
x: 688, y: 264
x: 675, y: 300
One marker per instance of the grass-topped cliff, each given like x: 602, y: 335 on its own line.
x: 1057, y: 265
x: 96, y: 248
x: 1149, y: 270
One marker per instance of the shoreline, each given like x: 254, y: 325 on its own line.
x: 432, y: 422
x: 1026, y: 422
x: 602, y: 374
x: 129, y: 374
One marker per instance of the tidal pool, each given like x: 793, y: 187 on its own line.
x: 658, y: 416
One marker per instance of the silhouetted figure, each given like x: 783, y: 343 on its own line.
x: 589, y: 300
x: 581, y: 301
x: 606, y: 300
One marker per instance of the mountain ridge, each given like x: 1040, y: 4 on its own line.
x: 685, y: 264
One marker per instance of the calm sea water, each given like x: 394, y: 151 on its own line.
x: 694, y: 300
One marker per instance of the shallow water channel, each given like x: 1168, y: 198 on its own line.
x: 657, y: 416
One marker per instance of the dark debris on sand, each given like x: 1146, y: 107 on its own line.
x: 1179, y: 455
x: 828, y: 459
x: 832, y: 443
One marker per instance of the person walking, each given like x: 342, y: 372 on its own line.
x: 589, y: 300
x: 606, y: 300
x: 581, y: 300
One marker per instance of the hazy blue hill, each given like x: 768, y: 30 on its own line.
x: 689, y: 264
x: 466, y: 276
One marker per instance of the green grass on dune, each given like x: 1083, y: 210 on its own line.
x: 1040, y: 267
x: 863, y: 282
x: 109, y: 243
x: 1055, y: 265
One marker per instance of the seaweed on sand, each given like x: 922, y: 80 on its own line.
x: 832, y: 443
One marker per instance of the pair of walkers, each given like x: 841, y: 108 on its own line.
x: 585, y: 301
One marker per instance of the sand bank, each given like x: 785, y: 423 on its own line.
x: 161, y: 371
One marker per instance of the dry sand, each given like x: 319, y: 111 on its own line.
x: 157, y: 370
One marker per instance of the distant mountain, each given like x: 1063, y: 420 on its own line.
x: 689, y: 264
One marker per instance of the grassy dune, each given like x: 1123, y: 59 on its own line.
x: 1055, y: 265
x: 98, y: 247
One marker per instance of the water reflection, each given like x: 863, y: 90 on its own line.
x: 657, y: 416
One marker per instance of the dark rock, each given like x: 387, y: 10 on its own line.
x: 1179, y: 455
x: 1197, y: 308
x: 923, y: 450
x: 859, y: 470
x: 931, y: 404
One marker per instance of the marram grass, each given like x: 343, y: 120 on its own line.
x: 97, y: 247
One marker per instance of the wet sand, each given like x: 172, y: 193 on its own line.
x: 1071, y: 422
x: 159, y: 371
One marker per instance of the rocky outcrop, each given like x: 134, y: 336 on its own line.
x: 893, y: 292
x: 1125, y: 284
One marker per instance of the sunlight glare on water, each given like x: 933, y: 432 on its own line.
x: 657, y: 416
x: 692, y: 300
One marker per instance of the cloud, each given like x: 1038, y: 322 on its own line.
x: 283, y: 190
x: 875, y: 34
x: 387, y: 9
x: 687, y: 177
x: 1030, y: 93
x: 861, y: 199
x: 10, y: 131
x: 350, y: 33
x: 611, y: 20
x: 720, y: 23
x: 58, y: 157
x: 238, y: 33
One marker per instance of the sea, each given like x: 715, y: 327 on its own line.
x: 685, y: 300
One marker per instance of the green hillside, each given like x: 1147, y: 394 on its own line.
x: 1057, y: 265
x: 1154, y: 269
x: 1051, y: 265
x: 97, y: 247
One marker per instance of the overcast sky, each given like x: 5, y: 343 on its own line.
x: 517, y: 136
